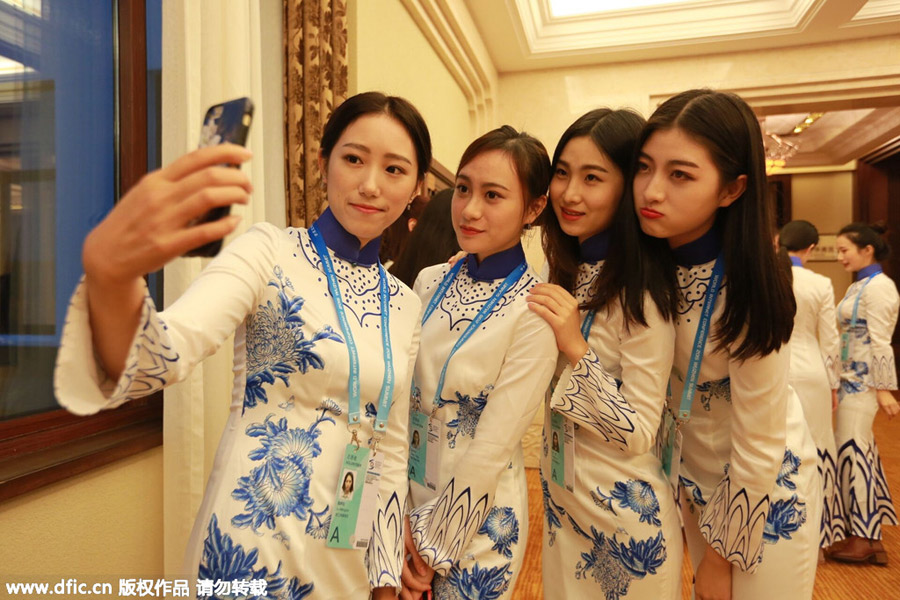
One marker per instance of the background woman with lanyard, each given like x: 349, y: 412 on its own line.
x: 324, y: 344
x: 604, y: 490
x: 815, y: 367
x: 867, y: 317
x: 749, y: 484
x: 484, y: 366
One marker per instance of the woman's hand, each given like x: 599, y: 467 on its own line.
x: 557, y: 306
x: 456, y: 258
x: 416, y: 574
x: 834, y: 400
x: 384, y: 593
x: 713, y: 578
x: 887, y: 402
x: 156, y: 220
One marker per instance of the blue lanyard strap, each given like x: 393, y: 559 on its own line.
x: 693, y: 372
x: 588, y: 323
x: 856, y: 301
x: 482, y: 315
x: 387, y: 385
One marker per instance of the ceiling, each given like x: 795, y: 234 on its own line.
x: 525, y: 35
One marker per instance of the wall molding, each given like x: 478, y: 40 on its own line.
x: 451, y: 32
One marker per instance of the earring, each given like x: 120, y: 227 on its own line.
x: 527, y: 227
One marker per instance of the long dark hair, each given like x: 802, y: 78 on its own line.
x: 432, y: 240
x: 629, y: 269
x: 759, y: 306
x: 863, y: 235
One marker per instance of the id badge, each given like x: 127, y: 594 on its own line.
x: 562, y: 451
x: 670, y: 454
x: 356, y: 498
x: 845, y: 346
x: 433, y: 459
x: 418, y: 447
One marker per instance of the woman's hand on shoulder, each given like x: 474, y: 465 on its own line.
x: 560, y: 309
x: 456, y: 258
x: 156, y: 220
x: 887, y: 402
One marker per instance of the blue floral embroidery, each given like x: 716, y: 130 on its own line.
x: 716, y: 389
x: 789, y: 466
x: 223, y: 560
x: 478, y: 584
x: 317, y: 526
x: 614, y: 564
x: 694, y: 489
x: 639, y: 497
x: 502, y: 527
x: 785, y: 517
x: 603, y: 501
x: 467, y: 415
x: 857, y: 384
x: 551, y: 509
x: 276, y: 344
x: 278, y: 487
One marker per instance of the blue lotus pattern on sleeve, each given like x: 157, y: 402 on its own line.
x: 478, y: 584
x: 639, y: 497
x: 223, y: 560
x: 468, y: 414
x: 502, y: 527
x: 719, y: 389
x: 279, y: 486
x: 276, y: 344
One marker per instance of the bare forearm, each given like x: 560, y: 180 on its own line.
x: 115, y: 311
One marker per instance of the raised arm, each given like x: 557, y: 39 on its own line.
x: 152, y: 224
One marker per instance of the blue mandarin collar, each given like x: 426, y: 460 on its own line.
x: 873, y: 269
x: 702, y: 250
x: 795, y: 260
x: 495, y: 266
x: 595, y: 248
x: 344, y: 244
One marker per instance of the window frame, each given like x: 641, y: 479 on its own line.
x: 39, y: 449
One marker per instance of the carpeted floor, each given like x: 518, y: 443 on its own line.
x: 834, y: 581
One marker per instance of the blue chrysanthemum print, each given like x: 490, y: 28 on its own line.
x: 481, y: 583
x: 502, y: 527
x: 719, y: 389
x: 550, y: 511
x: 858, y: 383
x: 614, y: 564
x: 223, y: 560
x: 318, y: 523
x: 639, y: 497
x: 789, y: 466
x: 785, y: 517
x: 276, y: 344
x: 696, y: 496
x: 279, y: 486
x: 467, y: 415
x: 604, y: 501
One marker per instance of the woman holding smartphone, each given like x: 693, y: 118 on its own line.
x: 612, y: 529
x: 324, y: 346
x: 751, y: 492
x: 480, y: 377
x: 867, y: 316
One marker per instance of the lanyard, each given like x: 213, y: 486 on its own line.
x: 588, y: 323
x: 845, y: 337
x: 387, y: 385
x: 482, y: 315
x: 693, y: 372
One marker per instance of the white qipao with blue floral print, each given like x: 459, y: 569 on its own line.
x: 617, y: 534
x: 268, y: 502
x: 869, y: 366
x: 472, y: 530
x: 815, y: 371
x: 749, y: 466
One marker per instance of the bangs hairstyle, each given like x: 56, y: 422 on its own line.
x: 528, y: 156
x: 370, y: 103
x: 759, y: 304
x: 863, y: 235
x: 629, y: 270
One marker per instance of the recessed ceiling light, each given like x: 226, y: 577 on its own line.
x: 571, y: 8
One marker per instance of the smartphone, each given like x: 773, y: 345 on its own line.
x: 225, y: 122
